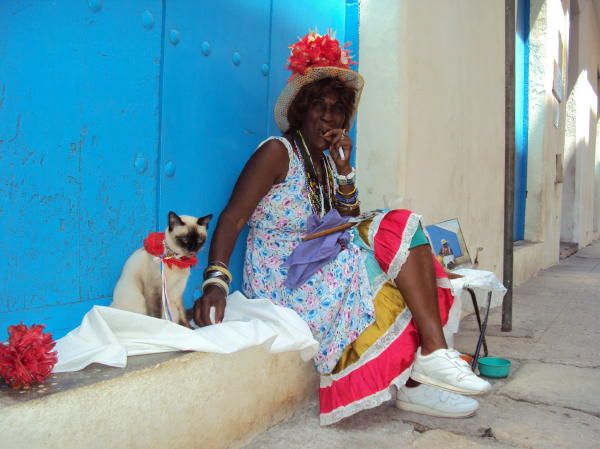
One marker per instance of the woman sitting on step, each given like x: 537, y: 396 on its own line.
x: 378, y: 302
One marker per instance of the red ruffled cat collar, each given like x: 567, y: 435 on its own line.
x: 155, y: 245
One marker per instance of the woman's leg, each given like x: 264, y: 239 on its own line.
x: 434, y: 366
x: 415, y: 277
x: 417, y: 283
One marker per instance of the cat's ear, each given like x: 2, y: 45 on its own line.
x: 174, y: 220
x: 203, y: 221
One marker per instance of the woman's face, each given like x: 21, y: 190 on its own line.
x: 323, y: 113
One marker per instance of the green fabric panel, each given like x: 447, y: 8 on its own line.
x: 419, y: 238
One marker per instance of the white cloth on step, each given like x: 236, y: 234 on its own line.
x: 107, y: 335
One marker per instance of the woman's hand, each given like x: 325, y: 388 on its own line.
x: 337, y: 139
x: 213, y: 297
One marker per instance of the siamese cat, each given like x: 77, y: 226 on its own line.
x: 139, y: 288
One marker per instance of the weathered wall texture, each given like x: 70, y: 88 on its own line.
x: 562, y: 179
x: 542, y: 212
x: 431, y: 126
x: 580, y: 202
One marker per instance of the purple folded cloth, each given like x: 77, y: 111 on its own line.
x: 310, y: 256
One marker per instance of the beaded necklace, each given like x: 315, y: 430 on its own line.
x: 320, y: 196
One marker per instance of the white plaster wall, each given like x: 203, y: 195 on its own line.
x: 561, y: 211
x: 587, y: 118
x: 546, y: 141
x: 381, y: 134
x: 581, y: 199
x: 431, y: 126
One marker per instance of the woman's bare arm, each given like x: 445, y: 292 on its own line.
x: 266, y: 167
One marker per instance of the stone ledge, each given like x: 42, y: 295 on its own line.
x: 93, y: 374
x: 175, y: 400
x: 528, y: 260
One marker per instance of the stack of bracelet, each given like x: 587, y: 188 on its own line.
x: 217, y: 274
x: 347, y: 202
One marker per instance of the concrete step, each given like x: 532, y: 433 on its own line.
x: 173, y: 400
x: 567, y: 249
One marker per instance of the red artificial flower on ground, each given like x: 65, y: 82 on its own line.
x: 314, y: 50
x: 28, y: 357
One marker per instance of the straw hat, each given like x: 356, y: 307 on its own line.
x: 313, y: 58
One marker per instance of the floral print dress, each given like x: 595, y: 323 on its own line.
x: 336, y: 301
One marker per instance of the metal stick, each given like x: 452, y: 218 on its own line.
x: 482, y: 333
x: 476, y: 308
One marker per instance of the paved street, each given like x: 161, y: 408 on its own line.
x: 550, y: 400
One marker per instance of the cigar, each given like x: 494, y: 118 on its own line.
x: 324, y: 232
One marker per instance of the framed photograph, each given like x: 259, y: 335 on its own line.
x: 449, y: 244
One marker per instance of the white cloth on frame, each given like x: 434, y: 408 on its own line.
x: 482, y: 282
x: 107, y: 335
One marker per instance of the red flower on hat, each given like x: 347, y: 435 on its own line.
x: 28, y: 356
x: 314, y: 50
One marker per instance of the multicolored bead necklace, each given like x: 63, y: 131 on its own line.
x: 320, y: 196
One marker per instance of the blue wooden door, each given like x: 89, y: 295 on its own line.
x: 224, y: 66
x: 216, y: 67
x: 78, y: 145
x: 521, y: 116
x: 114, y: 113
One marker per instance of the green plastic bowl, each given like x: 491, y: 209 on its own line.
x: 494, y: 367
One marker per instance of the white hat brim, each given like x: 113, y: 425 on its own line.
x: 289, y: 92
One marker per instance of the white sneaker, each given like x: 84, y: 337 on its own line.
x: 434, y: 401
x: 445, y: 369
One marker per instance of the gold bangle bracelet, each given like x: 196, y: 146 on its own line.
x: 348, y: 193
x: 223, y: 270
x: 218, y: 282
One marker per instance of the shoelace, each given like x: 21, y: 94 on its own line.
x: 462, y: 364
